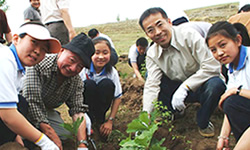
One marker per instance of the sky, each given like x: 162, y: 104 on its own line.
x: 88, y: 12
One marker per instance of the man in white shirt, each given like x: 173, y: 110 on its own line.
x: 180, y: 69
x: 55, y: 15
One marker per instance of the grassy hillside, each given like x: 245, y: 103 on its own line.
x: 125, y: 33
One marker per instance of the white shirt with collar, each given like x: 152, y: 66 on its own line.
x: 187, y: 59
x: 113, y: 75
x: 240, y: 75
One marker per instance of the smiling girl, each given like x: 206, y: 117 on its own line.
x: 102, y: 87
x: 225, y: 43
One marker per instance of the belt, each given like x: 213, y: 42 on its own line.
x: 61, y: 21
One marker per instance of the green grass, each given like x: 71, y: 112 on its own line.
x: 125, y: 33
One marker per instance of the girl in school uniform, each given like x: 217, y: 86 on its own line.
x: 225, y: 43
x: 102, y: 88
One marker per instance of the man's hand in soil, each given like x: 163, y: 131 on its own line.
x: 50, y: 132
x: 106, y: 128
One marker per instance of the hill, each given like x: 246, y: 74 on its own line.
x: 125, y: 33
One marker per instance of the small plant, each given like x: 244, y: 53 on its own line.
x: 123, y: 75
x: 73, y: 129
x: 116, y: 136
x: 143, y: 70
x: 144, y: 128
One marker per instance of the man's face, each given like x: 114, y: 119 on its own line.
x: 158, y: 29
x: 69, y: 63
x: 35, y: 3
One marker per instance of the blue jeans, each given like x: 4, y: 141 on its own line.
x: 208, y: 95
x: 237, y: 109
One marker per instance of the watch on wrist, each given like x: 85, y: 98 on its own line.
x: 238, y: 90
x: 83, y: 142
x: 111, y: 118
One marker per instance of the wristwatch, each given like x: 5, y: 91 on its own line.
x: 83, y: 142
x: 238, y: 90
x: 111, y: 118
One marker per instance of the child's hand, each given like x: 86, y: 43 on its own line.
x: 222, y: 144
x: 228, y: 93
x: 106, y: 128
x: 46, y: 144
x: 19, y: 140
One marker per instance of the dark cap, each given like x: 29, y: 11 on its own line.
x: 83, y: 46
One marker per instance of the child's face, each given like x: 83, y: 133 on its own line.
x: 30, y: 51
x: 224, y: 49
x: 69, y: 63
x: 101, y: 56
x: 141, y: 49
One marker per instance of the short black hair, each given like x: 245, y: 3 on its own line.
x: 142, y: 41
x: 150, y: 11
x: 244, y: 8
x: 93, y: 33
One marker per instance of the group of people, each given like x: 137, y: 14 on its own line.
x: 183, y: 64
x: 37, y: 83
x: 199, y: 51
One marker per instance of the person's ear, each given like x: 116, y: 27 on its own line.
x: 60, y: 52
x: 239, y: 39
x: 169, y: 21
x: 15, y: 39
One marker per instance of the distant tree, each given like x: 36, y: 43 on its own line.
x: 118, y: 18
x: 3, y: 5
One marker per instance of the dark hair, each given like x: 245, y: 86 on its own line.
x: 108, y: 66
x: 22, y: 35
x: 243, y: 32
x: 93, y: 33
x: 33, y: 22
x: 223, y: 28
x: 244, y: 8
x: 150, y: 11
x: 142, y: 41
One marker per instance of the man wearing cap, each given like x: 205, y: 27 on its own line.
x: 28, y: 48
x: 54, y: 81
